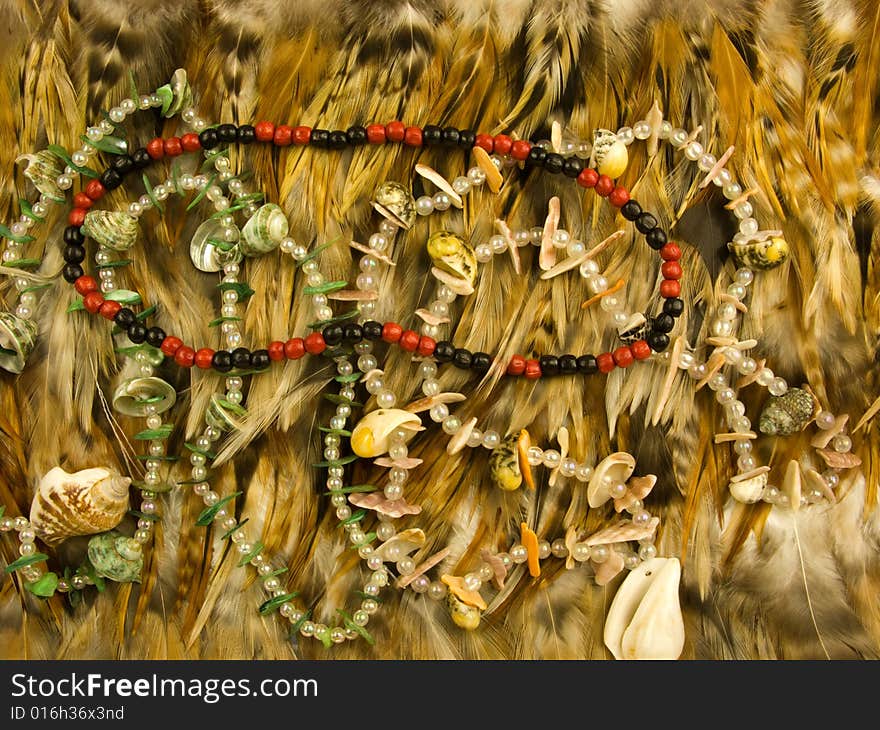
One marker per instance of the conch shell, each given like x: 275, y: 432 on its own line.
x: 644, y: 621
x: 83, y: 503
x: 370, y: 437
x: 116, y: 557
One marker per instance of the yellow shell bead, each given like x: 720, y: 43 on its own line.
x: 610, y: 153
x: 451, y: 253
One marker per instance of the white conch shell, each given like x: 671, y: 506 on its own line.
x: 619, y: 466
x: 83, y: 503
x: 644, y: 621
x: 370, y: 437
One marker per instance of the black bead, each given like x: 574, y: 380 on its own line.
x: 372, y: 330
x: 356, y: 135
x: 431, y: 134
x: 209, y: 139
x: 338, y: 140
x: 352, y: 332
x: 466, y: 138
x: 222, y: 361
x: 657, y: 341
x: 663, y: 323
x: 444, y: 351
x: 246, y: 133
x: 137, y: 333
x: 155, y: 336
x: 123, y: 164
x: 74, y: 253
x: 481, y: 362
x: 553, y: 163
x: 72, y: 272
x: 72, y: 234
x: 587, y: 364
x: 241, y: 357
x: 537, y: 156
x: 111, y: 179
x: 461, y: 358
x: 631, y: 210
x: 656, y: 238
x: 568, y: 364
x: 260, y: 359
x: 227, y: 133
x: 572, y: 167
x: 549, y: 364
x: 125, y: 318
x: 673, y: 307
x: 332, y: 334
x: 320, y: 138
x: 450, y: 136
x: 141, y: 158
x: 645, y: 222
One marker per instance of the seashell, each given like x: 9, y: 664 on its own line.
x: 204, y: 251
x: 791, y: 484
x: 529, y: 539
x: 264, y: 230
x: 83, y: 503
x: 396, y: 203
x: 765, y: 254
x: 636, y: 488
x: 786, y: 414
x: 509, y: 462
x: 749, y: 490
x: 371, y: 435
x: 42, y: 170
x: 406, y: 541
x: 116, y: 557
x: 644, y: 620
x: 111, y: 228
x: 607, y: 571
x: 512, y: 248
x: 547, y: 252
x: 431, y: 318
x: 836, y: 460
x: 17, y: 337
x: 428, y: 402
x: 464, y: 616
x: 459, y: 286
x: 815, y: 480
x: 824, y: 436
x: 134, y: 395
x: 176, y: 95
x: 407, y: 462
x: 450, y: 253
x: 493, y: 174
x: 618, y: 467
x: 610, y: 153
x: 499, y: 569
x: 224, y: 415
x: 634, y: 329
x: 459, y: 440
x: 423, y: 567
x: 377, y: 501
x: 372, y: 252
x: 462, y: 592
x: 623, y: 531
x: 429, y: 173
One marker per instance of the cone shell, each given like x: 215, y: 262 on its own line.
x: 205, y: 255
x: 450, y: 253
x: 17, y: 338
x: 610, y: 153
x: 396, y: 203
x: 371, y: 435
x: 83, y: 503
x: 788, y: 413
x: 116, y: 557
x: 509, y: 462
x: 766, y: 254
x: 43, y: 170
x: 264, y: 230
x: 618, y: 467
x: 133, y: 396
x: 111, y: 228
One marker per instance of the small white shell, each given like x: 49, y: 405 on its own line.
x: 610, y: 153
x: 380, y: 503
x: 750, y: 490
x: 618, y: 466
x: 134, y: 396
x: 371, y: 435
x: 205, y: 254
x: 407, y: 541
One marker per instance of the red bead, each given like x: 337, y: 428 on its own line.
x: 604, y: 186
x: 264, y: 131
x: 517, y: 365
x: 315, y: 344
x: 532, y: 369
x: 426, y: 346
x: 619, y: 196
x: 109, y: 309
x: 95, y: 189
x: 623, y: 357
x: 276, y: 350
x: 413, y: 136
x: 588, y: 178
x: 93, y: 301
x: 391, y: 332
x: 156, y: 148
x: 76, y: 216
x: 670, y: 289
x: 670, y: 252
x: 520, y: 149
x: 640, y: 350
x: 294, y: 348
x: 283, y: 135
x: 671, y: 270
x: 81, y: 200
x: 503, y: 143
x: 395, y: 131
x: 375, y: 134
x: 203, y: 358
x: 302, y: 134
x: 85, y: 284
x: 409, y: 340
x: 190, y: 142
x: 605, y: 361
x: 486, y: 141
x: 170, y: 345
x: 173, y: 147
x: 185, y: 357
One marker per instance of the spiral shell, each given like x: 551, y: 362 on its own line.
x: 788, y: 413
x: 82, y: 503
x: 17, y: 338
x: 450, y: 253
x: 396, y: 203
x: 116, y: 557
x: 134, y: 396
x: 263, y: 231
x: 43, y: 170
x: 765, y: 254
x: 204, y: 252
x: 610, y: 153
x: 175, y: 95
x: 509, y: 462
x: 111, y: 228
x: 370, y: 437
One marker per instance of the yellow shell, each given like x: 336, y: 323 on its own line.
x: 450, y: 253
x: 509, y: 462
x: 610, y: 153
x: 370, y: 437
x: 464, y: 616
x: 765, y: 254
